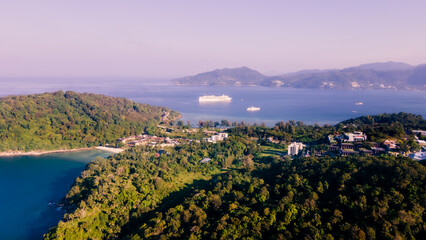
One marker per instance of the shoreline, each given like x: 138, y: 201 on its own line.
x: 42, y: 152
x: 110, y: 149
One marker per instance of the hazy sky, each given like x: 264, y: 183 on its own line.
x: 177, y: 38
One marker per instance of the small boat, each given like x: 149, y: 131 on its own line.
x: 359, y: 103
x: 253, y: 109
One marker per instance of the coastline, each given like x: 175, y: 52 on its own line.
x: 110, y: 149
x: 41, y: 152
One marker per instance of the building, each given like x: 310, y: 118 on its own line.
x: 378, y: 150
x: 347, y: 146
x: 420, y: 142
x: 216, y: 137
x: 334, y: 147
x: 366, y: 151
x: 418, y: 156
x: 272, y: 140
x: 390, y: 144
x: 294, y: 148
x: 348, y: 152
x: 355, y: 137
x: 205, y: 160
x: 423, y: 133
x: 127, y: 139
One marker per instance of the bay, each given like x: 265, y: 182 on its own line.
x: 29, y: 183
x: 277, y: 104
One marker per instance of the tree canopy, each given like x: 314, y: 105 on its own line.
x: 240, y: 195
x: 67, y: 120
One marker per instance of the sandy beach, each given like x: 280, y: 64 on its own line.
x: 36, y: 153
x: 110, y: 149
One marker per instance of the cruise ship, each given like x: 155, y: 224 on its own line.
x: 213, y: 98
x: 253, y: 109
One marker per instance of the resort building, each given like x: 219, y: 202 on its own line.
x: 216, y: 137
x: 390, y: 144
x: 355, y: 137
x: 294, y: 148
x: 418, y: 156
x: 205, y: 160
x: 423, y: 133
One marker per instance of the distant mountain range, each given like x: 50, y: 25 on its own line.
x: 389, y: 75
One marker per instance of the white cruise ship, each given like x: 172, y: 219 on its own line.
x: 253, y: 109
x: 213, y: 98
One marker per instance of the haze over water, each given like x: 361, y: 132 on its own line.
x: 277, y: 104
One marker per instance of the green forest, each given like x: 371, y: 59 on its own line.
x: 242, y: 194
x: 68, y: 120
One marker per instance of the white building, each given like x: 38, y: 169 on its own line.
x: 355, y: 137
x: 418, y: 156
x: 420, y: 142
x: 294, y: 148
x: 423, y: 133
x: 217, y: 137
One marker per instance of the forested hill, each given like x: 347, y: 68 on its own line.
x: 67, y: 120
x: 409, y: 120
x: 250, y: 190
x: 138, y: 195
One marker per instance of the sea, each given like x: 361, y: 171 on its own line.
x: 31, y: 188
x: 324, y: 106
x: 31, y: 185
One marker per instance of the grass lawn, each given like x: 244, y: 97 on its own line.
x: 270, y: 151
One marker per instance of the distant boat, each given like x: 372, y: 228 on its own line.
x: 213, y: 98
x: 359, y: 103
x: 253, y: 109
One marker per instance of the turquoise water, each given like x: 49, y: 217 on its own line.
x: 29, y: 183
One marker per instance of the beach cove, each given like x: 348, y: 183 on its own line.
x: 33, y: 185
x: 42, y: 152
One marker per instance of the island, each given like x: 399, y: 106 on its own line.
x: 388, y: 75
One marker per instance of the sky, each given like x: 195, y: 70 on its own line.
x: 168, y: 39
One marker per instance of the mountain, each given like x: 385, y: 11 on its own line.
x: 226, y: 76
x: 418, y: 78
x: 356, y: 78
x: 390, y: 75
x: 387, y: 66
x: 68, y: 120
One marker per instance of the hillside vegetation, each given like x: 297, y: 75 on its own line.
x: 67, y: 120
x: 242, y: 193
x: 312, y: 198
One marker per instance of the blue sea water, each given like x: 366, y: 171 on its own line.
x: 277, y: 104
x: 29, y: 183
